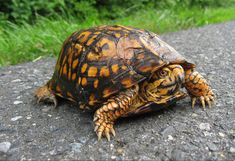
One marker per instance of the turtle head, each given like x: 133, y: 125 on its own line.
x: 164, y: 85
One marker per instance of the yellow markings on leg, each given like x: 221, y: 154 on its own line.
x: 198, y: 88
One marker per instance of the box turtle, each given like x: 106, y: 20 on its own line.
x: 121, y: 71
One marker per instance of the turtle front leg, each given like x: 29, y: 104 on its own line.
x: 111, y: 110
x: 198, y: 88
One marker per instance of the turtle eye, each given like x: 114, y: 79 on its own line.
x: 162, y: 73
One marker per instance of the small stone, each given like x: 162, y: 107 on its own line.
x: 212, y: 147
x: 120, y: 151
x: 206, y: 133
x: 16, y: 80
x: 152, y: 140
x: 46, y: 109
x: 17, y: 102
x: 28, y: 117
x: 18, y: 97
x: 167, y: 131
x: 170, y: 137
x: 34, y: 124
x: 49, y: 115
x: 232, y: 150
x: 76, y: 147
x: 111, y: 146
x: 194, y: 115
x: 113, y: 157
x: 177, y: 154
x: 16, y: 118
x: 205, y: 126
x: 221, y: 134
x: 53, y: 152
x: 5, y: 146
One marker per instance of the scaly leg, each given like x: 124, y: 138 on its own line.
x: 198, y: 88
x: 43, y: 94
x: 111, y: 110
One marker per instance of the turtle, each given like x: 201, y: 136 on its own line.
x: 120, y: 71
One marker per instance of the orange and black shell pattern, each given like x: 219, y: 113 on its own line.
x: 98, y: 62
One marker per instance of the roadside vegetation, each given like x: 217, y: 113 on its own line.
x: 33, y: 29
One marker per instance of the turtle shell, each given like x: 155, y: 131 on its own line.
x: 99, y: 62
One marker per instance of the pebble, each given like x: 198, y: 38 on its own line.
x: 111, y: 146
x: 18, y: 97
x: 83, y: 140
x: 16, y: 118
x: 212, y: 147
x: 46, y: 109
x: 170, y: 137
x: 76, y: 147
x: 205, y: 126
x: 221, y: 134
x: 28, y: 117
x: 17, y: 102
x: 194, y: 115
x: 5, y: 146
x: 16, y: 80
x: 177, y: 155
x: 113, y: 157
x: 167, y: 131
x: 120, y: 151
x: 232, y: 150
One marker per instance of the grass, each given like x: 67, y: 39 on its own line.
x: 28, y: 42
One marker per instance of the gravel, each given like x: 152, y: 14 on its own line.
x: 5, y: 146
x: 36, y: 132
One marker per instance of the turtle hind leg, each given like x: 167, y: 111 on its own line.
x: 198, y: 88
x: 111, y: 110
x: 43, y: 94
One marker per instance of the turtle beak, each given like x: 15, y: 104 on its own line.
x: 178, y: 72
x: 180, y: 78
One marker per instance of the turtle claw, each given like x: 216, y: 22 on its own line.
x: 104, y: 129
x: 193, y: 101
x: 99, y: 134
x: 205, y: 100
x: 107, y: 135
x: 113, y: 132
x: 202, y: 99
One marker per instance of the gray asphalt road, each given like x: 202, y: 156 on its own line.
x: 30, y: 131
